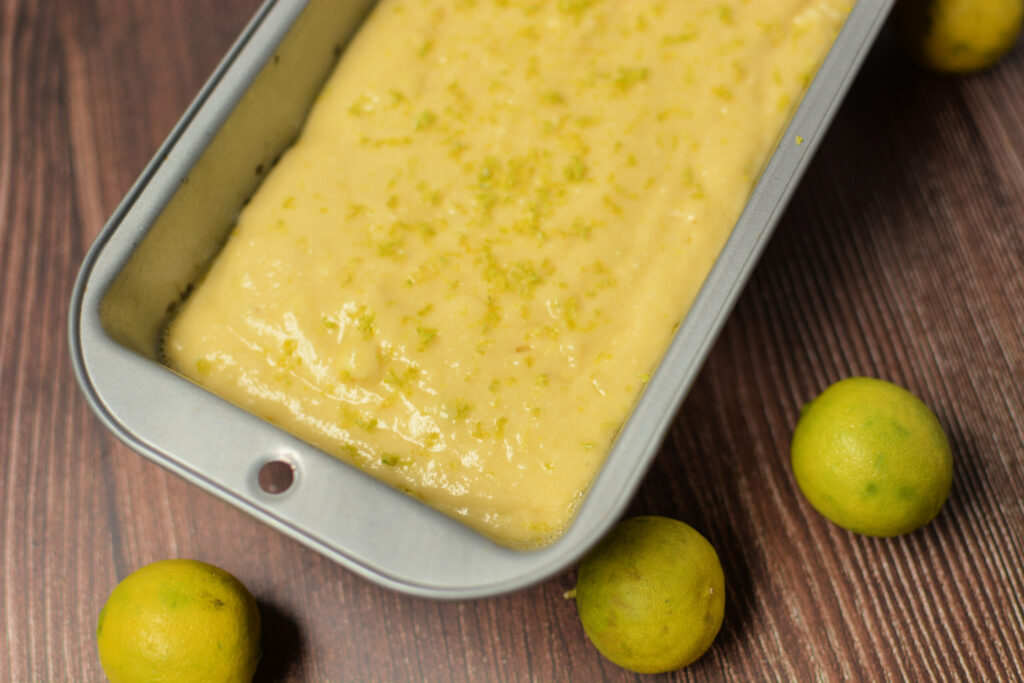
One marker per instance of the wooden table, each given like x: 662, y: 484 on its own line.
x: 902, y: 257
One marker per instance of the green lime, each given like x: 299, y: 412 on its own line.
x: 179, y: 620
x: 958, y: 36
x: 871, y: 457
x: 651, y: 595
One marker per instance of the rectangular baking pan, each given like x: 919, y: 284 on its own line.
x: 180, y: 211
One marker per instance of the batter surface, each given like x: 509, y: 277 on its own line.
x: 461, y: 275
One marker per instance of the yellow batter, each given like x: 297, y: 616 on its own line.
x: 460, y: 276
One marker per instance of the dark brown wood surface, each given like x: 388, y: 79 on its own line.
x: 901, y: 256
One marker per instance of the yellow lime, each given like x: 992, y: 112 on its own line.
x: 871, y: 457
x: 651, y: 595
x: 958, y: 36
x: 179, y: 620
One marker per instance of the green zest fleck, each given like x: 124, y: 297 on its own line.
x: 361, y: 421
x: 364, y: 320
x: 377, y: 143
x: 360, y: 106
x: 397, y: 98
x: 427, y: 230
x: 426, y: 335
x: 570, y: 312
x: 630, y: 76
x: 426, y: 119
x: 723, y: 93
x: 458, y: 409
x: 392, y: 248
x: 493, y: 315
x: 488, y: 172
x: 404, y: 381
x: 429, y: 195
x: 610, y: 203
x: 680, y: 38
x: 575, y: 6
x: 581, y: 228
x: 576, y: 170
x: 487, y: 201
x: 554, y: 97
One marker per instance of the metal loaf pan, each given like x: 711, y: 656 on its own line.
x: 179, y: 212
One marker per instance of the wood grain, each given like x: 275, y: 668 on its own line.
x: 902, y: 256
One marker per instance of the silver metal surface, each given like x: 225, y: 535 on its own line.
x: 179, y: 212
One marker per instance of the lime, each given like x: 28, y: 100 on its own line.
x: 958, y: 36
x: 179, y: 620
x: 651, y: 595
x: 871, y: 457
